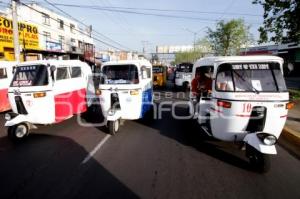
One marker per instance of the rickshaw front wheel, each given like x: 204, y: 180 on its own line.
x: 18, y: 132
x: 261, y: 162
x: 113, y: 126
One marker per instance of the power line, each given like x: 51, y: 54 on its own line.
x: 159, y: 10
x: 140, y: 13
x: 85, y: 24
x: 80, y: 31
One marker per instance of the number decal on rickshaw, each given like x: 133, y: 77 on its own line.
x: 247, y: 107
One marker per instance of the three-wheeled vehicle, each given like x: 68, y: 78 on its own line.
x: 6, y: 74
x: 159, y: 75
x: 46, y: 92
x: 183, y: 75
x: 125, y: 91
x: 248, y: 103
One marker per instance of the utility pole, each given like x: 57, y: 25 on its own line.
x: 24, y: 47
x: 195, y: 34
x: 14, y: 4
x: 144, y: 43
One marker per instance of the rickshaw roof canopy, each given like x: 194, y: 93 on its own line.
x: 209, y: 61
x: 138, y: 63
x: 57, y: 63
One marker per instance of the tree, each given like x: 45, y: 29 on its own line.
x: 281, y: 19
x: 202, y: 48
x: 229, y: 37
x: 190, y: 56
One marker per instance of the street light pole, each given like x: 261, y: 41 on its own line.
x: 15, y: 30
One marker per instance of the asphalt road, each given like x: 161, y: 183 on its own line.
x: 164, y: 158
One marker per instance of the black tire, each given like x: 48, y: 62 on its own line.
x: 260, y: 162
x: 149, y: 116
x: 113, y: 126
x: 18, y: 132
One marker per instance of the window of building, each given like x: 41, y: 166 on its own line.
x: 60, y: 24
x: 72, y: 28
x: 3, y: 73
x: 76, y: 72
x: 46, y: 19
x: 62, y: 73
x: 61, y: 39
x: 46, y: 35
x: 73, y: 42
x: 80, y: 44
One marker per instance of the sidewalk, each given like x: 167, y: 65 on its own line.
x: 291, y: 130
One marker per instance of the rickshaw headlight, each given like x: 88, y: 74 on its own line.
x: 39, y: 94
x: 10, y: 116
x: 267, y: 139
x: 134, y: 92
x: 98, y: 92
x: 111, y: 112
x: 7, y: 116
x: 290, y: 105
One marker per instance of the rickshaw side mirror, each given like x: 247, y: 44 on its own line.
x: 52, y: 69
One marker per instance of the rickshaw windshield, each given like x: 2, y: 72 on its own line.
x: 120, y: 74
x: 35, y: 75
x: 157, y: 69
x: 186, y: 68
x: 3, y: 73
x: 257, y: 77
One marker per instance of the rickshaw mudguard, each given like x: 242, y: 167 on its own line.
x: 114, y: 117
x: 255, y: 142
x: 16, y: 120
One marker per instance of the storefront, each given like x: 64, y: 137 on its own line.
x: 28, y: 40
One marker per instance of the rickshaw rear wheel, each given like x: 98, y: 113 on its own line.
x: 260, y: 162
x: 113, y: 126
x: 18, y: 132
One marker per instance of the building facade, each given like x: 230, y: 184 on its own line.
x: 289, y: 52
x: 111, y: 55
x: 53, y: 35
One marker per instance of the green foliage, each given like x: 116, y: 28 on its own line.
x: 203, y: 47
x: 281, y: 20
x: 294, y: 94
x: 229, y: 37
x: 191, y: 56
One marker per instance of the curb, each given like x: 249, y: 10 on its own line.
x: 291, y: 135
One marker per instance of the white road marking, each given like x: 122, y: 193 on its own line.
x: 92, y: 153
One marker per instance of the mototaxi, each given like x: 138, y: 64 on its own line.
x: 248, y: 103
x: 125, y: 91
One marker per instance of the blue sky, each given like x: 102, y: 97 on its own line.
x: 131, y: 29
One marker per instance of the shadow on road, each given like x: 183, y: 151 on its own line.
x: 45, y: 166
x: 188, y: 132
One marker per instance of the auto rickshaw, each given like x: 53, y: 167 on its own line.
x: 125, y: 91
x: 248, y: 104
x: 159, y: 76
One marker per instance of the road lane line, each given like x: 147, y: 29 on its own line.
x: 92, y: 153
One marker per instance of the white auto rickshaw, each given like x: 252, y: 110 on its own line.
x: 6, y: 74
x: 47, y: 92
x: 248, y: 103
x: 183, y: 76
x: 125, y: 91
